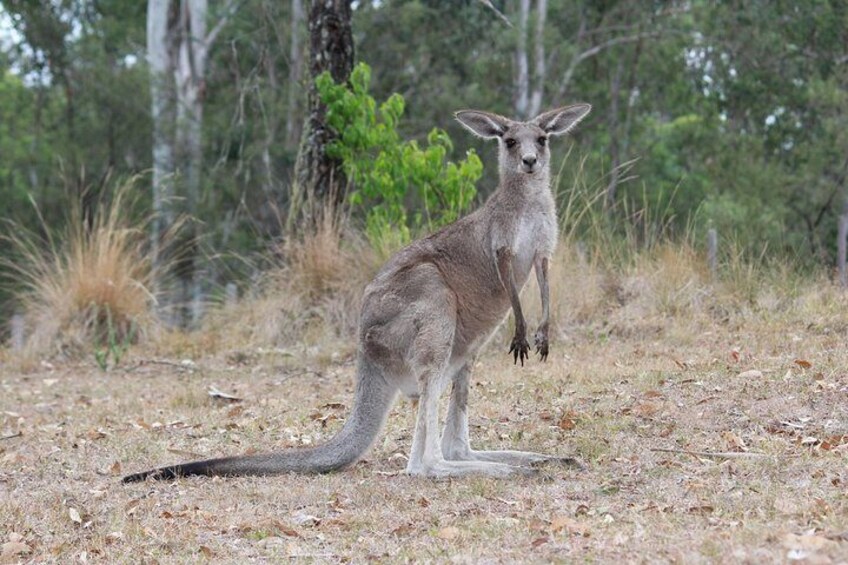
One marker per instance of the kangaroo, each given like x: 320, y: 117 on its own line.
x: 431, y: 308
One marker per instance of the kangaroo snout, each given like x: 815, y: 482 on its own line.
x: 529, y: 162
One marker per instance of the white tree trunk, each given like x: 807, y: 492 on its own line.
x: 189, y: 73
x: 178, y: 49
x: 539, y: 59
x: 162, y: 113
x: 522, y: 76
x: 295, y: 74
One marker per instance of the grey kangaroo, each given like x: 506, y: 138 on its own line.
x: 431, y: 308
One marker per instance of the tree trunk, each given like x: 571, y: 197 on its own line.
x: 320, y: 179
x: 522, y: 75
x: 189, y: 73
x: 540, y: 73
x: 162, y: 113
x: 178, y: 47
x: 295, y: 74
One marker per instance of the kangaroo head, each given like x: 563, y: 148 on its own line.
x: 523, y: 146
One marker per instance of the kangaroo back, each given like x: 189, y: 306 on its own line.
x: 372, y: 401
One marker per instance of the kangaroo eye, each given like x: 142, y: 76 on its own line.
x: 542, y: 141
x: 510, y: 143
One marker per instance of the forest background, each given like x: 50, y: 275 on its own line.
x: 724, y: 115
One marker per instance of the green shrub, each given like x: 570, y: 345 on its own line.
x: 388, y: 174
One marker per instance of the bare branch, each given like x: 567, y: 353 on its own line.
x: 488, y: 4
x: 229, y: 9
x: 596, y: 49
x: 719, y: 454
x: 539, y: 55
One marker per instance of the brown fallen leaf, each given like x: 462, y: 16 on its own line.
x: 567, y: 422
x: 95, y: 434
x: 647, y: 409
x: 572, y: 526
x: 540, y: 541
x: 131, y: 506
x: 833, y: 442
x: 141, y: 423
x: 448, y: 533
x: 286, y: 530
x: 734, y: 441
x: 207, y: 552
x: 403, y: 529
x: 803, y: 363
x: 334, y: 406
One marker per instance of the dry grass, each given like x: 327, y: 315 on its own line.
x: 89, y: 284
x: 648, y: 355
x: 610, y: 401
x: 308, y: 299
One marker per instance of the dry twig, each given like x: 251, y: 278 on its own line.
x: 719, y: 454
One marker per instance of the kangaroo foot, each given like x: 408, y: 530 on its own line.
x: 446, y: 469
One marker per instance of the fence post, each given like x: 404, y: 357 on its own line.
x: 712, y: 251
x: 841, y: 251
x: 17, y: 327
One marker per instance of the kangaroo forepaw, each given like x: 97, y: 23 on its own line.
x: 520, y: 349
x: 540, y: 340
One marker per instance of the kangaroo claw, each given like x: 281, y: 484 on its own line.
x: 520, y: 349
x: 540, y: 340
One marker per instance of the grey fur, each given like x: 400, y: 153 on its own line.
x: 430, y: 309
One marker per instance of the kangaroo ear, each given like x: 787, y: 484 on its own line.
x: 562, y: 120
x: 483, y: 124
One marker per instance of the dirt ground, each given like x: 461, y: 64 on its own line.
x: 724, y: 446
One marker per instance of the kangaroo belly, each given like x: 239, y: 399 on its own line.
x: 536, y: 235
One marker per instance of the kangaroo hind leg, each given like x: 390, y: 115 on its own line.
x: 455, y: 441
x: 429, y: 361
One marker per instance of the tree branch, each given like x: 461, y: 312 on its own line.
x: 592, y: 51
x: 489, y: 5
x: 229, y: 9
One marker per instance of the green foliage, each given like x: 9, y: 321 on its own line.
x: 111, y: 344
x: 383, y: 168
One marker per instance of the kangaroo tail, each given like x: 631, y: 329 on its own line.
x: 372, y: 401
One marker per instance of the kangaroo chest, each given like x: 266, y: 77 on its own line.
x: 535, y: 233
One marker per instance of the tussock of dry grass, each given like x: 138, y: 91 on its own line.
x: 86, y: 282
x: 311, y: 296
x: 669, y: 290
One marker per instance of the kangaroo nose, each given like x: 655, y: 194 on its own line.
x: 529, y: 160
